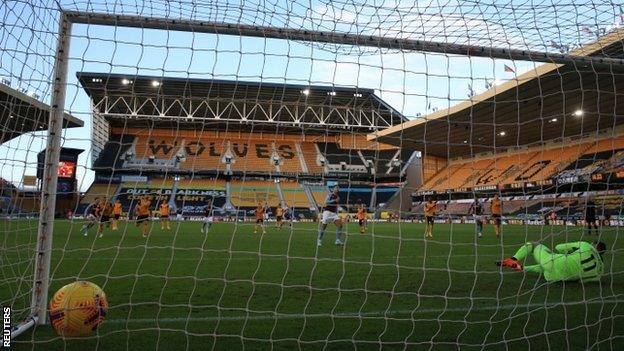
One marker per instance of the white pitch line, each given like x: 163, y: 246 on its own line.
x: 207, y: 257
x: 287, y: 316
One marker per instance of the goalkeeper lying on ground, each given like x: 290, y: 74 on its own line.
x: 571, y: 261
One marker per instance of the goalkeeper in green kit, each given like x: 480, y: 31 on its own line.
x: 578, y: 260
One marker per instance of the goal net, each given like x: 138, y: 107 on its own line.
x: 314, y: 175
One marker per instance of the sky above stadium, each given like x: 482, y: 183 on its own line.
x: 414, y: 83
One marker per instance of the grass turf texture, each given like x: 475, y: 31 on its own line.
x: 232, y: 289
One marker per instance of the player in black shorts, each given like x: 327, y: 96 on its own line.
x: 143, y: 211
x: 259, y: 212
x: 288, y: 215
x: 91, y: 215
x: 361, y: 216
x: 279, y: 216
x: 476, y: 209
x: 106, y: 211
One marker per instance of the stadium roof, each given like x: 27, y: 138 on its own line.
x: 548, y: 103
x: 20, y: 114
x: 127, y: 99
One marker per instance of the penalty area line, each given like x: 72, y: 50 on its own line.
x: 294, y: 316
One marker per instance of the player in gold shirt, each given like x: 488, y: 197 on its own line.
x: 143, y: 214
x: 279, y: 216
x: 259, y: 212
x: 430, y: 209
x: 164, y: 215
x: 117, y: 210
x: 361, y: 216
x: 496, y: 208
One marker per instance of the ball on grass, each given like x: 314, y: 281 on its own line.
x: 77, y: 309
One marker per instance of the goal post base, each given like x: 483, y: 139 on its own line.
x: 23, y: 326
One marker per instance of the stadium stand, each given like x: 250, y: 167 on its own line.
x: 335, y: 155
x: 319, y: 193
x: 288, y: 156
x: 455, y: 175
x: 294, y: 195
x: 441, y: 180
x: 310, y: 156
x: 154, y: 151
x: 372, y: 158
x: 342, y: 160
x: 204, y: 154
x: 208, y: 151
x: 565, y: 209
x: 379, y: 159
x: 453, y: 208
x: 24, y: 204
x: 257, y: 157
x: 99, y: 190
x: 246, y: 194
x: 605, y: 156
x: 432, y: 167
x: 296, y: 198
x: 589, y: 161
x: 513, y: 206
x: 549, y: 161
x: 612, y: 205
x: 499, y: 170
x: 529, y: 166
x: 114, y: 152
x: 223, y: 151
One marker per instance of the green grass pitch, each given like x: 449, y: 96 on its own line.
x: 387, y: 289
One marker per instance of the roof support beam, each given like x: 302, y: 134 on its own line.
x: 237, y: 111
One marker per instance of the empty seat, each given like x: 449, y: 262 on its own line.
x: 310, y: 156
x: 250, y: 193
x: 531, y: 166
x: 99, y: 190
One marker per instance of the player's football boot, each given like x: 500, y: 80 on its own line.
x: 511, y: 263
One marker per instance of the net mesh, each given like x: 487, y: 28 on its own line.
x: 235, y: 132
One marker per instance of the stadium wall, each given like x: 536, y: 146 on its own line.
x: 402, y: 200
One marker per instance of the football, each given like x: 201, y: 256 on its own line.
x: 77, y: 309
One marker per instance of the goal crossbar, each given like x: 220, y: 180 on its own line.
x: 339, y: 38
